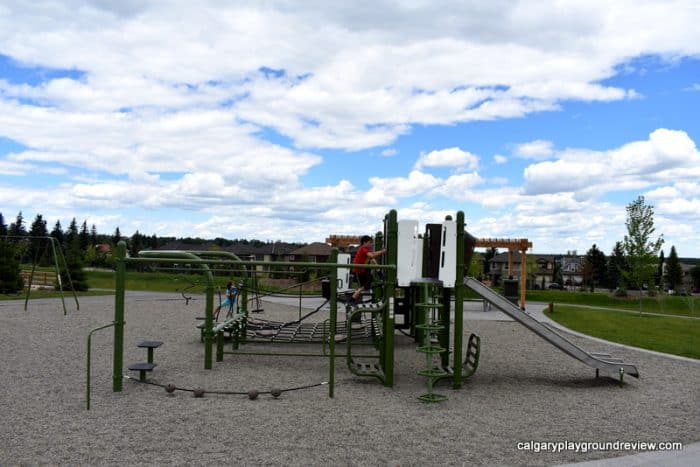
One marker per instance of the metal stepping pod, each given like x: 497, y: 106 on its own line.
x: 142, y: 368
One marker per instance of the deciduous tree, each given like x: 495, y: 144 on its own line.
x: 640, y: 249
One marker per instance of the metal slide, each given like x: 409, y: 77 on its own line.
x: 603, y: 363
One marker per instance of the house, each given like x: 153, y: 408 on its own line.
x: 316, y: 252
x: 541, y: 275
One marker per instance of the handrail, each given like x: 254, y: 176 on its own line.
x: 87, y: 389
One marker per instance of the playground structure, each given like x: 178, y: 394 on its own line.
x: 423, y: 285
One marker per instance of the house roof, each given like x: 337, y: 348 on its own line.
x: 313, y: 249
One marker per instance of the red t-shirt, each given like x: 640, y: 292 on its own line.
x: 360, y: 258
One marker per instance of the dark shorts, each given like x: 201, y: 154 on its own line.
x: 365, y: 279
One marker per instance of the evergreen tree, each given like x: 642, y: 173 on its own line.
x: 10, y: 276
x: 93, y: 235
x: 57, y: 233
x: 136, y: 244
x: 17, y: 228
x: 84, y: 237
x: 116, y: 237
x: 640, y: 249
x: 557, y: 273
x: 617, y: 265
x: 38, y: 250
x: 3, y: 227
x: 659, y: 276
x: 595, y: 264
x: 72, y: 235
x: 74, y: 260
x: 695, y: 274
x: 674, y: 272
x: 488, y: 256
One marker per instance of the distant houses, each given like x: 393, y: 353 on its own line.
x: 570, y: 264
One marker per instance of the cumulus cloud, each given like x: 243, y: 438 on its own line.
x: 665, y: 155
x: 449, y: 157
x: 538, y: 149
x: 135, y: 111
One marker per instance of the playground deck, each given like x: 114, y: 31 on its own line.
x: 524, y: 390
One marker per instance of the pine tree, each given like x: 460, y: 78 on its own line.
x: 617, y: 266
x: 10, y: 276
x: 116, y: 237
x: 38, y: 250
x: 659, y: 276
x: 74, y: 259
x: 674, y: 272
x: 17, y: 228
x: 93, y: 235
x: 57, y: 233
x: 84, y: 237
x: 595, y: 264
x: 3, y: 227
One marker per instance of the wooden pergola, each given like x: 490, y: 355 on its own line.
x: 512, y: 244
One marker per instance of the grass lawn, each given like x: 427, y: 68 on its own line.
x: 666, y: 334
x: 664, y: 304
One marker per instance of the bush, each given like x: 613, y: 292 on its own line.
x: 11, y: 280
x: 620, y: 292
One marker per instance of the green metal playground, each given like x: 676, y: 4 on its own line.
x: 420, y: 294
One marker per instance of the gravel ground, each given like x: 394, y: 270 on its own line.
x: 524, y: 389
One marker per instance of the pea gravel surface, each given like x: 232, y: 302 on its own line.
x: 524, y: 390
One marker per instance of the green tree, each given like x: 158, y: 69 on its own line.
x: 93, y: 235
x: 57, y: 233
x: 617, y: 266
x: 674, y: 272
x: 640, y: 249
x: 116, y: 237
x: 17, y: 228
x: 659, y: 276
x: 38, y: 250
x: 595, y: 267
x: 10, y: 276
x: 557, y: 273
x: 74, y: 260
x: 84, y: 237
x: 3, y: 227
x: 695, y: 274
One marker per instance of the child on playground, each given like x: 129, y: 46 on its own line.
x: 231, y: 292
x: 364, y: 255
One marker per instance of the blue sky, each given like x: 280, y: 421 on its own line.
x: 297, y: 120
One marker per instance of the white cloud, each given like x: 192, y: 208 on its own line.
x: 449, y: 157
x: 389, y: 152
x: 500, y: 159
x: 538, y: 149
x: 667, y: 154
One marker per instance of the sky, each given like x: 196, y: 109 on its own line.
x: 293, y: 120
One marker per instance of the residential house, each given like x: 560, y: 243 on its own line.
x: 571, y: 266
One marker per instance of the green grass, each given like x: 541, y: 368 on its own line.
x: 668, y: 334
x: 664, y: 304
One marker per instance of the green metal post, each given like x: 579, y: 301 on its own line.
x: 120, y: 286
x: 89, y: 346
x: 459, y: 304
x: 333, y: 321
x: 392, y: 238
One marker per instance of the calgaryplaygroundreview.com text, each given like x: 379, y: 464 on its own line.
x: 588, y: 446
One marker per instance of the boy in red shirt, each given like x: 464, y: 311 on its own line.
x: 364, y: 255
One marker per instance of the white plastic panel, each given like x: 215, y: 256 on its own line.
x: 343, y: 273
x: 448, y: 254
x: 409, y: 261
